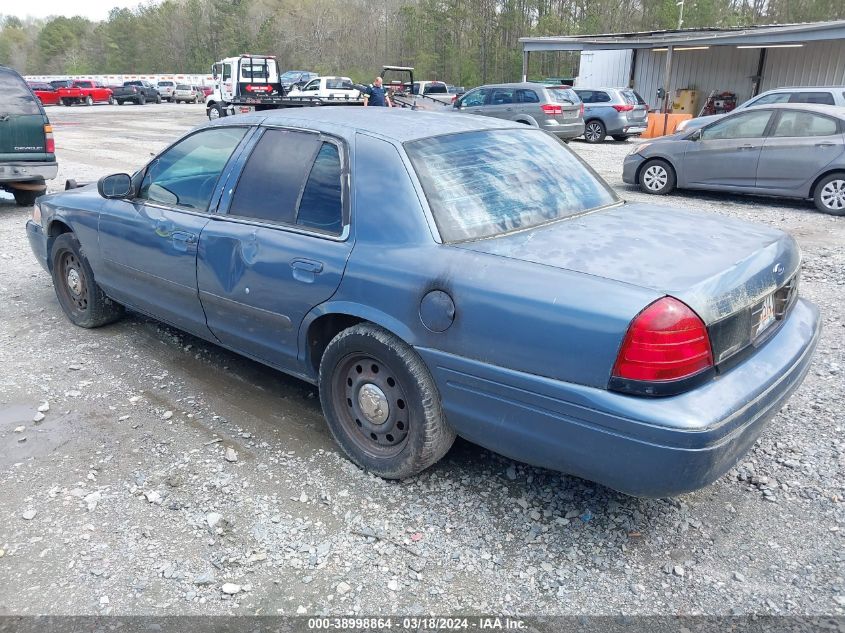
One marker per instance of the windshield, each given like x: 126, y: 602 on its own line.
x: 481, y: 184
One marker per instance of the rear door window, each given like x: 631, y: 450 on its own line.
x: 501, y: 96
x: 274, y: 176
x: 825, y: 98
x: 321, y: 206
x: 793, y: 124
x: 15, y: 96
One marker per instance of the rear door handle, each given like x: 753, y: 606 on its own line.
x: 744, y: 147
x: 825, y: 144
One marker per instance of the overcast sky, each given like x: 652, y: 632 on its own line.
x: 91, y: 9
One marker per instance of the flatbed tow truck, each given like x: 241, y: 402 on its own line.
x: 250, y: 83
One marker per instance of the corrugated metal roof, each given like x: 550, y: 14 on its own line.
x: 749, y: 35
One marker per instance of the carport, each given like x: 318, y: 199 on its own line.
x: 745, y: 61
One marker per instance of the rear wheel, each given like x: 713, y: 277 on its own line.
x: 829, y: 195
x: 67, y: 102
x: 594, y: 131
x: 621, y: 137
x: 82, y: 300
x: 112, y: 100
x: 381, y: 403
x: 119, y: 102
x: 142, y: 99
x: 657, y: 177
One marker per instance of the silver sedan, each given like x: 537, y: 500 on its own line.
x: 791, y: 151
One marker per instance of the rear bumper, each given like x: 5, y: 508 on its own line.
x: 564, y: 131
x: 38, y: 243
x: 651, y: 447
x: 24, y: 171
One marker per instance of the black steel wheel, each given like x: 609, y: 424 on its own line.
x: 81, y: 299
x: 381, y: 403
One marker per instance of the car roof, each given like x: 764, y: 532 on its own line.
x: 794, y: 88
x: 397, y: 124
x: 821, y: 108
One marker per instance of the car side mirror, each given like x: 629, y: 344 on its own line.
x: 695, y: 136
x: 115, y: 186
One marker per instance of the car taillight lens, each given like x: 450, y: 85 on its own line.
x: 666, y: 341
x: 623, y: 108
x: 581, y: 111
x: 454, y: 98
x: 49, y: 141
x: 551, y: 108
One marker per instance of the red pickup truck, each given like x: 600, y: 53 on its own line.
x: 82, y: 91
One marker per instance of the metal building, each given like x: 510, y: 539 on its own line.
x: 746, y: 60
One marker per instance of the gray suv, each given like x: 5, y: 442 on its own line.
x: 617, y: 112
x: 556, y: 109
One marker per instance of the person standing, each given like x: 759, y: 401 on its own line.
x: 376, y: 95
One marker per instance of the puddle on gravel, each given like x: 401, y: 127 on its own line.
x: 41, y: 438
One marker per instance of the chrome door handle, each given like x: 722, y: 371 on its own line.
x: 825, y: 144
x: 744, y: 147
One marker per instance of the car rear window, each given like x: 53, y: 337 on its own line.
x: 165, y: 83
x: 563, y: 95
x: 481, y: 184
x: 183, y: 87
x: 15, y: 96
x: 436, y: 89
x: 632, y: 98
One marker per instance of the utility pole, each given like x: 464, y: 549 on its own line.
x: 681, y: 14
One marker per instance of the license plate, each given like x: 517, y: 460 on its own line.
x: 763, y: 315
x: 570, y: 114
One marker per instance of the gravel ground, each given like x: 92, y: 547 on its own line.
x: 169, y: 476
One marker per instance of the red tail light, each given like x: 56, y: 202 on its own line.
x: 551, y: 108
x: 49, y: 141
x: 454, y: 98
x: 581, y: 111
x: 666, y: 341
x: 623, y: 108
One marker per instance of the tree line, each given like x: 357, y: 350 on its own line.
x: 465, y: 42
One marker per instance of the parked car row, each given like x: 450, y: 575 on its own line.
x: 68, y: 93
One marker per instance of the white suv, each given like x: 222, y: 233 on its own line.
x: 827, y: 95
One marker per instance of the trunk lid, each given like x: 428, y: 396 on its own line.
x: 724, y: 269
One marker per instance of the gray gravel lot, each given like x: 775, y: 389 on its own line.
x: 170, y: 476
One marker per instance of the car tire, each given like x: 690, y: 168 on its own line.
x: 216, y: 111
x: 594, y: 131
x: 829, y: 194
x: 119, y: 102
x: 656, y: 177
x: 621, y: 137
x: 158, y: 98
x: 112, y: 100
x: 381, y: 403
x: 26, y: 197
x: 89, y: 101
x: 142, y: 100
x: 67, y: 102
x: 79, y: 295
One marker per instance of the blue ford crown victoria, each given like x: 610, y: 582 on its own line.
x: 439, y: 275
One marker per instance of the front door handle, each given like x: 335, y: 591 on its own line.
x: 825, y: 144
x: 747, y: 147
x: 182, y: 240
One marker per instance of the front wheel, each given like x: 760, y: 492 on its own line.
x: 216, y: 111
x: 657, y: 177
x: 81, y: 298
x: 89, y: 101
x: 621, y: 137
x: 594, y: 132
x: 112, y: 100
x: 142, y: 100
x: 381, y: 403
x: 158, y: 98
x: 829, y: 195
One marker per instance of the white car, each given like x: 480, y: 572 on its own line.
x: 328, y: 88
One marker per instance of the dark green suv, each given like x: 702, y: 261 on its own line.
x: 27, y: 148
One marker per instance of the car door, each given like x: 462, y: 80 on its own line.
x: 279, y: 246
x: 799, y: 147
x: 473, y: 101
x: 501, y: 103
x: 726, y: 152
x: 149, y: 242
